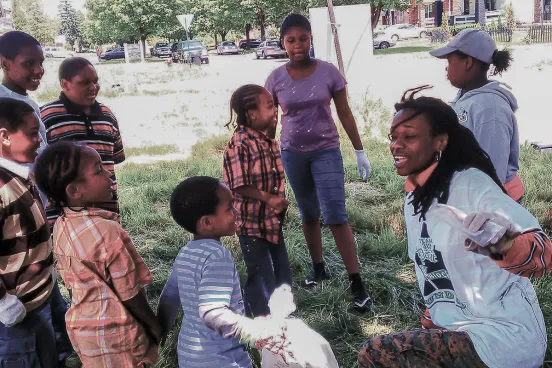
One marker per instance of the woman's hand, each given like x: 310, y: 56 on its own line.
x: 364, y: 167
x: 503, y: 240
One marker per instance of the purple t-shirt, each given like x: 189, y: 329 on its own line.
x: 307, y: 123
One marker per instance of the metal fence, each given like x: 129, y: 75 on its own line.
x: 540, y: 33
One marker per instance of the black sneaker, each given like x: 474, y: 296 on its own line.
x: 362, y: 301
x: 313, y: 279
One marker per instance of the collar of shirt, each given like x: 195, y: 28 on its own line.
x: 92, y: 211
x: 16, y: 168
x: 415, y: 180
x: 256, y: 134
x: 9, y: 92
x: 73, y: 108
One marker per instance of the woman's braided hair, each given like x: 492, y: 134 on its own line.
x: 461, y: 153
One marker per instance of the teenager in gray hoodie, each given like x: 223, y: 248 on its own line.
x: 485, y: 106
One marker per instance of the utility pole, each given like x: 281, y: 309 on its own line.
x: 336, y: 38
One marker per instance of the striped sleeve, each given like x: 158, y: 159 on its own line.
x: 118, y: 150
x: 530, y: 255
x: 215, y: 293
x: 236, y: 165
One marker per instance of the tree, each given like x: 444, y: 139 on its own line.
x: 69, y: 22
x: 129, y: 20
x: 509, y: 14
x: 29, y: 17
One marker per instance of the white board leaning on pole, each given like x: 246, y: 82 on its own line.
x: 354, y: 28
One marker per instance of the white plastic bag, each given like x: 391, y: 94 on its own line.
x: 455, y: 218
x: 309, y: 349
x: 305, y: 347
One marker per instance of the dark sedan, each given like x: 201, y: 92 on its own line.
x: 117, y: 53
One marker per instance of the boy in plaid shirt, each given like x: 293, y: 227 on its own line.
x: 253, y: 170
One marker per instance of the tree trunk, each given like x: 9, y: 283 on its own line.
x: 376, y: 12
x: 143, y: 41
x: 223, y: 35
x: 261, y: 19
x: 247, y: 30
x: 216, y: 39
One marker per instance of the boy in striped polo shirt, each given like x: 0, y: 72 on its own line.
x: 30, y: 301
x: 77, y: 116
x: 204, y: 280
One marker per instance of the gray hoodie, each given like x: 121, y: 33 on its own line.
x: 489, y: 112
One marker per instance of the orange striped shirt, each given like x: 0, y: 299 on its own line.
x: 99, y: 130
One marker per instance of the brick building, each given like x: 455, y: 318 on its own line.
x: 542, y: 11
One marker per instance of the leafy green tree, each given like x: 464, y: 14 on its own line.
x: 129, y: 20
x: 29, y: 17
x: 69, y: 22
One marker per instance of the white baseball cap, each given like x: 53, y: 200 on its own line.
x: 472, y: 42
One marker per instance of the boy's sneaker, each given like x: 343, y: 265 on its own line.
x: 313, y: 279
x: 362, y: 301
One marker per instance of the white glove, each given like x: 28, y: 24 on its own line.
x: 501, y: 242
x: 363, y: 164
x: 12, y: 311
x: 281, y: 303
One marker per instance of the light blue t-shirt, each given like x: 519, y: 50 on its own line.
x: 204, y: 273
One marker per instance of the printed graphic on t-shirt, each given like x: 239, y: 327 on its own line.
x: 438, y: 287
x: 463, y: 116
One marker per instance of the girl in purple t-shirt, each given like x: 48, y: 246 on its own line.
x: 304, y: 89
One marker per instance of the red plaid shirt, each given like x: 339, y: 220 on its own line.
x: 252, y: 159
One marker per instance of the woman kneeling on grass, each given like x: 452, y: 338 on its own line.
x: 483, y: 307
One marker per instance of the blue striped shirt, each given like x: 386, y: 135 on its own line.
x: 204, y: 274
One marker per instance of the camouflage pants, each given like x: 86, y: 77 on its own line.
x: 420, y: 348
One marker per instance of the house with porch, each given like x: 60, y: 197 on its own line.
x: 463, y: 12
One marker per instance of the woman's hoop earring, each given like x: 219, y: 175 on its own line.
x: 439, y: 154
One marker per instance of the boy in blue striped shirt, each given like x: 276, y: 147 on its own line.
x: 204, y: 280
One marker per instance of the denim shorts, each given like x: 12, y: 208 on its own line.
x: 318, y: 182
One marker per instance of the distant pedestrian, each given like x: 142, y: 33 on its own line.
x: 99, y: 52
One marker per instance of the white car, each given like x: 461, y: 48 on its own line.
x: 227, y: 47
x: 56, y: 52
x: 382, y: 41
x: 403, y: 31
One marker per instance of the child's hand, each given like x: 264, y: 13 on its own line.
x: 279, y: 204
x: 12, y: 311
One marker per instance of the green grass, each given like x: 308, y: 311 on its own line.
x: 403, y: 50
x: 375, y: 212
x: 152, y: 150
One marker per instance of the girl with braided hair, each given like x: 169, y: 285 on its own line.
x: 109, y: 322
x: 253, y: 171
x: 483, y: 307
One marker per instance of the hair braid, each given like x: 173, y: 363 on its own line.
x: 243, y: 99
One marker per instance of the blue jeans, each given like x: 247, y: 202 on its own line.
x: 40, y: 340
x: 318, y: 182
x: 267, y: 268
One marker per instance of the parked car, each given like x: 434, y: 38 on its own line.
x: 161, y: 49
x: 270, y: 48
x: 382, y: 41
x: 116, y: 53
x: 403, y: 31
x: 227, y: 47
x: 56, y: 52
x: 250, y: 44
x: 187, y: 51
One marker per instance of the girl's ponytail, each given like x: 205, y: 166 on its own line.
x: 502, y: 60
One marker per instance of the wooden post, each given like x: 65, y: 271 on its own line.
x: 336, y: 38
